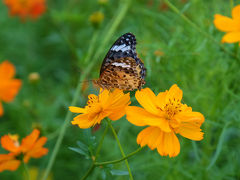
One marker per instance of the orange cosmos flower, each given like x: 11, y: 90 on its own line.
x: 31, y: 147
x: 107, y: 104
x: 26, y: 8
x: 9, y: 87
x: 229, y: 25
x: 166, y: 116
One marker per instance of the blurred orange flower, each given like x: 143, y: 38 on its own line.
x: 9, y: 87
x: 107, y: 104
x: 166, y: 116
x: 229, y: 25
x: 26, y: 8
x: 31, y: 147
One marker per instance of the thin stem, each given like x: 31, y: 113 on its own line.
x: 122, y: 11
x: 89, y: 171
x: 118, y: 160
x: 64, y: 125
x: 101, y: 142
x: 26, y: 171
x: 121, y: 149
x: 231, y: 4
x: 236, y: 49
x: 96, y: 155
x: 171, y: 6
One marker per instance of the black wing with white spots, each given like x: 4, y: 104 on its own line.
x: 125, y: 46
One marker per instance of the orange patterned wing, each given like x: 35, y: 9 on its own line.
x: 123, y: 73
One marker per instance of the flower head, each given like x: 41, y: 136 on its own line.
x: 26, y: 8
x: 107, y: 104
x: 229, y: 25
x: 9, y: 87
x: 31, y: 147
x: 96, y: 18
x: 166, y: 116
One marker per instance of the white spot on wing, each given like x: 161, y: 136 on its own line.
x: 122, y: 47
x: 124, y: 65
x: 126, y: 48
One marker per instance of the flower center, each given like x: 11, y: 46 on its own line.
x: 92, y: 100
x: 14, y: 138
x: 93, y: 106
x: 171, y: 108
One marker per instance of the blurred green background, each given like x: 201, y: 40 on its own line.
x: 63, y: 44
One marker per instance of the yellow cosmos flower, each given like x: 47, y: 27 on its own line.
x: 229, y: 25
x: 107, y: 104
x: 166, y: 116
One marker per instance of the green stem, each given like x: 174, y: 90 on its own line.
x: 121, y: 149
x: 231, y: 4
x: 89, y: 171
x: 118, y: 160
x: 171, y: 6
x: 65, y: 123
x: 26, y: 171
x: 96, y: 155
x: 122, y: 11
x: 236, y: 49
x: 101, y: 142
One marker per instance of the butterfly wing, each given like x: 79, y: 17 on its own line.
x: 125, y: 46
x: 123, y: 73
x: 121, y: 68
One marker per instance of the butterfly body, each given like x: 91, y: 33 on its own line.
x: 121, y: 68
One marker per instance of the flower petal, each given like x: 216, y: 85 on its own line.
x: 5, y: 157
x: 174, y: 93
x: 231, y: 37
x: 147, y: 99
x: 191, y: 117
x: 9, y: 89
x: 8, y: 144
x: 10, y: 165
x: 144, y: 136
x: 191, y: 131
x: 117, y: 114
x: 148, y: 137
x: 37, y: 151
x: 140, y: 117
x: 236, y: 12
x: 7, y: 70
x: 1, y: 109
x: 168, y: 144
x: 40, y: 142
x: 225, y: 24
x: 76, y: 109
x: 134, y: 115
x: 28, y: 142
x: 103, y: 96
x: 116, y: 100
x: 161, y: 99
x: 190, y: 125
x: 82, y: 121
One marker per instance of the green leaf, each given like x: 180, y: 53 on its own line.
x: 83, y: 146
x: 79, y: 151
x: 219, y: 146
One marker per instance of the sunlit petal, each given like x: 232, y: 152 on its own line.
x: 236, y: 13
x: 168, y: 144
x: 147, y: 99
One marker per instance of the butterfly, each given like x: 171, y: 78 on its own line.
x: 121, y: 67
